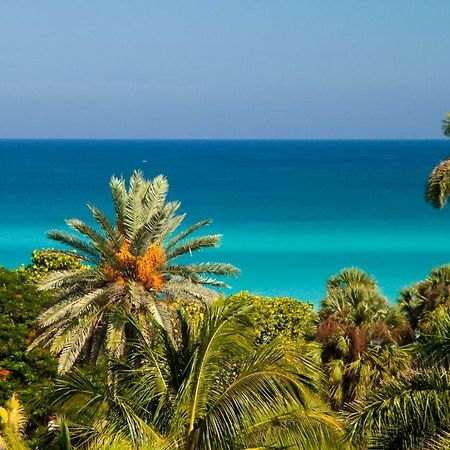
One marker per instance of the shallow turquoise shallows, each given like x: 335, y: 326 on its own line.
x: 292, y: 212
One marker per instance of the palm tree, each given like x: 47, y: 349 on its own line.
x: 423, y: 303
x: 134, y: 268
x: 446, y: 125
x: 360, y: 334
x: 12, y: 425
x: 216, y: 390
x: 408, y: 413
x: 438, y: 186
x: 411, y: 411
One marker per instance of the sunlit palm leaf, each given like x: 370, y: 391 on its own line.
x: 132, y: 271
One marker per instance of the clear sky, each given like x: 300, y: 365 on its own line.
x: 224, y: 69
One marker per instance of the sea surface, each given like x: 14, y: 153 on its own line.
x: 292, y: 212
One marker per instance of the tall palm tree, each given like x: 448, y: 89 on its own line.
x: 135, y: 268
x: 360, y: 334
x: 216, y: 390
x: 438, y: 186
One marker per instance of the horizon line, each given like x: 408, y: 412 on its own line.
x: 2, y: 139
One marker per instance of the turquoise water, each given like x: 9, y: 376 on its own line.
x: 292, y: 212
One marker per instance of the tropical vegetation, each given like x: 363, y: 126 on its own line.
x: 122, y: 337
x: 361, y: 335
x: 22, y: 373
x: 438, y: 186
x: 135, y: 269
x: 215, y: 390
x: 12, y: 425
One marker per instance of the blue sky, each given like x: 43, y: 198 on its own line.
x: 224, y: 69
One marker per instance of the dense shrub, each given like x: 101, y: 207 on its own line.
x: 285, y: 317
x: 48, y: 260
x: 21, y: 372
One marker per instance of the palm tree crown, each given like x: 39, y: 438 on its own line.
x: 446, y: 125
x: 425, y: 302
x: 438, y: 185
x: 134, y: 268
x: 359, y: 332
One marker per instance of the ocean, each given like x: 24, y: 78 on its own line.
x: 292, y: 212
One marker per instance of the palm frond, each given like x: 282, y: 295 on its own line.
x: 109, y: 229
x: 221, y: 335
x: 119, y: 194
x: 180, y: 236
x: 71, y: 342
x: 98, y: 241
x: 438, y: 185
x: 446, y: 125
x: 13, y: 421
x: 87, y: 251
x: 194, y: 244
x: 414, y: 406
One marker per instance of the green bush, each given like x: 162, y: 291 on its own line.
x: 48, y: 260
x: 283, y: 317
x: 21, y: 372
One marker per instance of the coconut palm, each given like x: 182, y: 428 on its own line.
x: 438, y: 186
x: 216, y: 390
x: 136, y: 265
x: 411, y: 412
x: 441, y: 442
x: 360, y: 334
x: 12, y: 425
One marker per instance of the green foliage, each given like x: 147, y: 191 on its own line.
x: 438, y: 184
x: 425, y: 302
x: 50, y: 260
x: 193, y: 396
x: 360, y: 334
x: 405, y: 413
x: 21, y: 372
x: 279, y: 317
x: 411, y: 410
x: 446, y: 125
x: 434, y: 346
x: 135, y: 268
x: 12, y: 425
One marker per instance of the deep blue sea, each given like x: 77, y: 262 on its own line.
x: 292, y: 212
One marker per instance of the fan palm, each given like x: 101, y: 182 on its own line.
x: 134, y: 265
x: 436, y: 346
x: 411, y: 411
x: 216, y: 390
x: 360, y: 334
x: 423, y: 303
x: 438, y: 186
